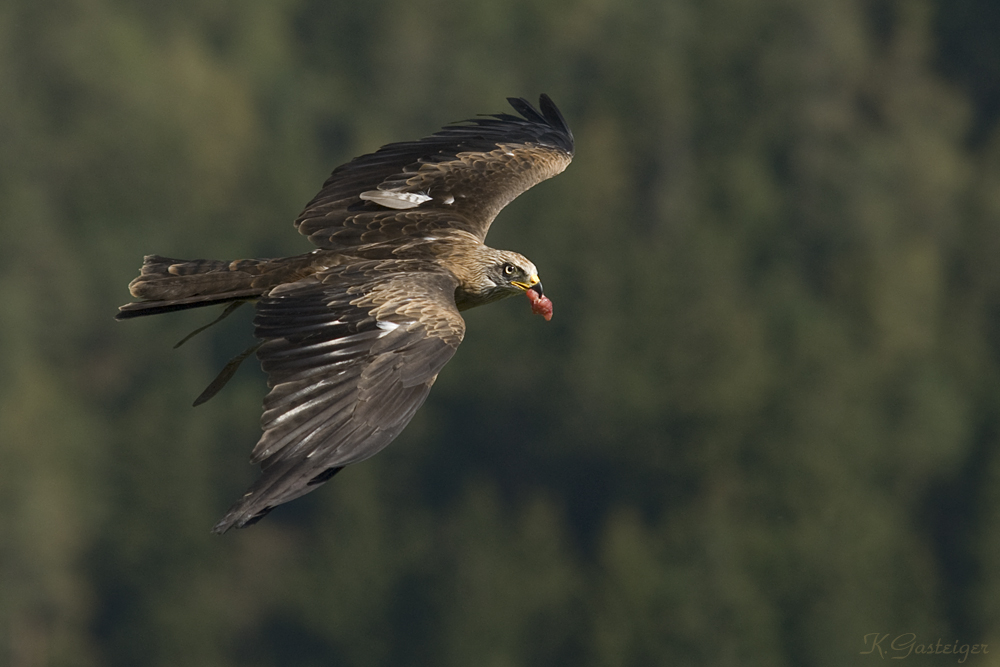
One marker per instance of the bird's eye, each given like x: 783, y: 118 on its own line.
x: 508, y: 269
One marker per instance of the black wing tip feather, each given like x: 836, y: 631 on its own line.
x: 546, y: 126
x: 552, y: 114
x: 546, y: 115
x: 525, y: 108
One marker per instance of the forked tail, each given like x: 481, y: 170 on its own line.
x: 166, y: 284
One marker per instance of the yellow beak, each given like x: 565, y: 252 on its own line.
x: 532, y: 281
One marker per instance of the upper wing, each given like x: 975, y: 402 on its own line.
x: 350, y: 355
x: 467, y: 171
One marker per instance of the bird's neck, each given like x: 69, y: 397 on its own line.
x: 466, y: 298
x: 470, y: 266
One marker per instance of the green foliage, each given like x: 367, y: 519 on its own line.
x: 762, y: 424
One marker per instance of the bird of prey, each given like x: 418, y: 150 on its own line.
x: 353, y: 334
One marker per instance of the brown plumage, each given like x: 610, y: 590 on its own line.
x: 353, y: 334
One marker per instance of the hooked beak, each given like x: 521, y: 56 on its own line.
x: 533, y: 284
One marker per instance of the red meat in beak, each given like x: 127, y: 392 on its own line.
x: 540, y: 304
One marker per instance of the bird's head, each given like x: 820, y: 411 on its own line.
x: 511, y: 273
x: 500, y: 274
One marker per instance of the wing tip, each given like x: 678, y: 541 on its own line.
x: 548, y: 115
x: 526, y: 109
x: 239, y: 517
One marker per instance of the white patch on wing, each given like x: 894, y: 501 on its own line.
x: 450, y: 199
x: 386, y: 327
x: 394, y: 198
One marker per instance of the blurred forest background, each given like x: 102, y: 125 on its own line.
x: 763, y: 423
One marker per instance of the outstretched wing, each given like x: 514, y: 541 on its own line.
x: 350, y: 355
x: 457, y: 178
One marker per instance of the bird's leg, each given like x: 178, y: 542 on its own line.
x: 226, y: 313
x: 225, y: 375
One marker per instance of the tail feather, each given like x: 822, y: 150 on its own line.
x: 165, y: 279
x: 141, y: 308
x: 165, y: 284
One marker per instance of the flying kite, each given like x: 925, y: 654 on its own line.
x: 353, y: 334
